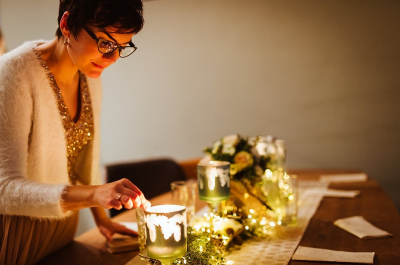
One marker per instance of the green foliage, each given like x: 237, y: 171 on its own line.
x: 203, y: 249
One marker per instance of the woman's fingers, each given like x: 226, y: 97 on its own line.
x: 146, y: 204
x: 115, y: 203
x: 129, y: 198
x: 128, y: 184
x: 127, y: 202
x: 107, y: 233
x: 135, y: 194
x: 123, y: 193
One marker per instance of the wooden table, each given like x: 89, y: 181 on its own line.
x: 373, y: 204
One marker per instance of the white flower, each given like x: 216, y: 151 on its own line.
x: 216, y: 147
x: 228, y: 149
x: 232, y: 140
x: 255, y: 153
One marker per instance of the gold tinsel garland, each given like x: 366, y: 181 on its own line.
x: 204, y: 248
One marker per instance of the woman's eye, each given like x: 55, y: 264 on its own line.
x: 107, y: 45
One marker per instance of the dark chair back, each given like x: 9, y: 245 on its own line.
x: 153, y: 177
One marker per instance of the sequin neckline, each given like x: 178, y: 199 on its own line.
x: 77, y: 134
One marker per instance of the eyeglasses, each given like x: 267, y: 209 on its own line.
x: 106, y: 46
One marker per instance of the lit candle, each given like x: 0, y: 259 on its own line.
x: 166, y: 232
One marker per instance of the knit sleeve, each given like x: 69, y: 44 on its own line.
x: 18, y: 194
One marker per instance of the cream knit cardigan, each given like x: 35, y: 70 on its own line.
x: 33, y: 157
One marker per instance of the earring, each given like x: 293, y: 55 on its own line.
x: 65, y: 40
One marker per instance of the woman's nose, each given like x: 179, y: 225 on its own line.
x: 111, y: 57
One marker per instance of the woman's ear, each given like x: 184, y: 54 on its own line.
x: 63, y: 25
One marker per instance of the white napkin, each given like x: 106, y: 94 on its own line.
x: 353, y: 177
x: 319, y: 254
x: 130, y: 225
x: 334, y: 193
x: 202, y: 211
x: 361, y: 228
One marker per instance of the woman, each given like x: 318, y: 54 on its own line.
x: 49, y: 130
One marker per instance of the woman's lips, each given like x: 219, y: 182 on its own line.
x: 98, y: 66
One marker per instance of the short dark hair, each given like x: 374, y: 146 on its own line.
x: 125, y: 15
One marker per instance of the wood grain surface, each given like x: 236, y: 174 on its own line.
x: 373, y: 204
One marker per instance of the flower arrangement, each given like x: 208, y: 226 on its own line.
x: 250, y: 161
x: 245, y: 214
x: 246, y: 162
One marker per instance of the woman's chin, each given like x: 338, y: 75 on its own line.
x: 93, y: 74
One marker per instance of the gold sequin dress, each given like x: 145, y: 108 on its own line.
x: 26, y: 240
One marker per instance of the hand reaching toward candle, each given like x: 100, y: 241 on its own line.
x: 117, y: 194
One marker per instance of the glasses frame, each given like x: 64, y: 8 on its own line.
x: 119, y: 47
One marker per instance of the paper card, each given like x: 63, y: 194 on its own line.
x: 319, y: 254
x: 334, y: 193
x: 353, y: 177
x: 361, y: 228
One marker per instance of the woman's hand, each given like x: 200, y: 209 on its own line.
x: 108, y: 228
x: 118, y: 194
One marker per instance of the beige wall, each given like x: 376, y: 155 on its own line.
x: 323, y: 75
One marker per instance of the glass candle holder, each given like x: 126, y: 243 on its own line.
x: 272, y: 190
x: 289, y: 197
x: 213, y: 181
x: 184, y: 193
x: 166, y: 232
x: 141, y: 230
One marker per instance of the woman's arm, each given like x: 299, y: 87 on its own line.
x: 22, y: 196
x: 19, y: 195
